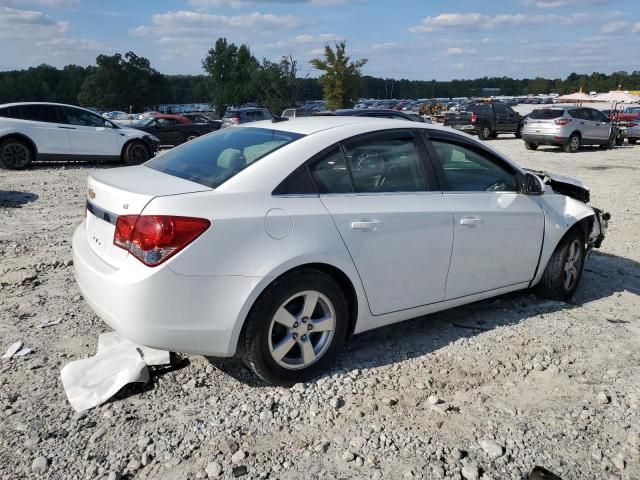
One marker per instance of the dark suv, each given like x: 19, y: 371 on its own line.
x: 236, y: 116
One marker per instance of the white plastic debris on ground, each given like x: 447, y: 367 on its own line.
x: 92, y: 381
x: 16, y: 350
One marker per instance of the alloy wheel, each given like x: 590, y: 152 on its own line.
x: 15, y: 155
x: 575, y: 143
x: 301, y: 330
x: 138, y: 153
x: 571, y: 265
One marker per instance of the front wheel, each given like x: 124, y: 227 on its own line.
x: 564, y: 270
x: 15, y: 154
x: 136, y: 153
x: 296, y: 328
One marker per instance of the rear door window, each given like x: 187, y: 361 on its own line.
x: 546, y: 114
x: 40, y: 113
x: 330, y: 172
x: 213, y: 159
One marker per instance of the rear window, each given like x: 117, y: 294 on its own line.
x: 231, y: 114
x: 215, y: 158
x: 546, y: 114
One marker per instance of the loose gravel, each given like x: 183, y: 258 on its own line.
x: 486, y: 391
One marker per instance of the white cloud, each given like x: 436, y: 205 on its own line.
x: 477, y: 21
x: 613, y: 27
x: 386, y: 46
x: 185, y: 23
x: 563, y: 3
x: 28, y: 23
x: 320, y: 38
x: 455, y: 51
x: 205, y: 4
x: 636, y: 28
x: 41, y: 3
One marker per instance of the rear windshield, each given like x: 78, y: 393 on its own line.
x: 231, y: 114
x: 546, y: 114
x: 215, y: 158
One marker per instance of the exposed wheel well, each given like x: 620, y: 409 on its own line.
x: 344, y: 282
x: 576, y: 132
x: 25, y: 139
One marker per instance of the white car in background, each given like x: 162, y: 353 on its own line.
x: 279, y: 240
x: 51, y: 131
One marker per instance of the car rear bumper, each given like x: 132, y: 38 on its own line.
x: 472, y: 129
x: 544, y: 139
x: 159, y: 308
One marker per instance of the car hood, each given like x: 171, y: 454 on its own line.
x: 571, y: 187
x: 131, y: 132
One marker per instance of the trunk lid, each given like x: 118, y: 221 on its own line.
x: 124, y: 191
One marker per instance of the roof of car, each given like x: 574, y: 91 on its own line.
x: 15, y: 104
x: 168, y: 115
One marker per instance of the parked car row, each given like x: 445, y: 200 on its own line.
x: 485, y: 119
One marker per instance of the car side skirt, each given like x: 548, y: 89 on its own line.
x: 65, y: 157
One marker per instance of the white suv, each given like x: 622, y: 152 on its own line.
x: 50, y: 131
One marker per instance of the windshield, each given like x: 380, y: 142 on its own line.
x: 214, y: 159
x: 145, y: 121
x: 546, y: 114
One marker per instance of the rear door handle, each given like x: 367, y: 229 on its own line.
x: 366, y: 225
x: 470, y: 221
x: 67, y: 128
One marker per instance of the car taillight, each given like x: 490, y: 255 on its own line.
x: 474, y: 117
x: 562, y: 121
x: 153, y: 239
x: 234, y: 119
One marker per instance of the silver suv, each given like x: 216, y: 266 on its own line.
x: 568, y: 127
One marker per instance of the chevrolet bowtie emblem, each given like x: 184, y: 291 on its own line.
x: 91, y: 194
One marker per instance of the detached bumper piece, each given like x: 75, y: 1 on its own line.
x: 599, y: 228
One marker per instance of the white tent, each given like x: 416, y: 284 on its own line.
x: 617, y: 96
x: 575, y: 97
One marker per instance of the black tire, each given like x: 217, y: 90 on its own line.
x: 15, y: 154
x: 530, y: 146
x: 519, y: 131
x: 135, y: 153
x: 619, y: 141
x: 191, y: 136
x: 632, y: 141
x: 485, y: 132
x: 553, y: 284
x: 257, y: 335
x: 573, y: 145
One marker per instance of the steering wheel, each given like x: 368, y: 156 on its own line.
x: 369, y: 160
x: 498, y: 186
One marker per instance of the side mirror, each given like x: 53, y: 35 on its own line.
x: 533, y: 184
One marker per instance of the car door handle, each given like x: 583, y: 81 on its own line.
x: 67, y: 128
x: 366, y: 225
x: 470, y: 221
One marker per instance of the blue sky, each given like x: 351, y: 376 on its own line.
x: 415, y: 39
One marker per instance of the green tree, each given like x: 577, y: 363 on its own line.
x: 276, y: 84
x: 231, y: 70
x: 122, y: 82
x: 340, y: 80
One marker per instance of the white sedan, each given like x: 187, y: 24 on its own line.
x: 280, y: 240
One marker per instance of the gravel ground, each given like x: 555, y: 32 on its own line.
x: 484, y: 391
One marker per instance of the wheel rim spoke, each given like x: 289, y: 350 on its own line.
x: 282, y: 348
x: 283, y: 317
x: 310, y: 302
x: 308, y: 354
x: 323, y: 324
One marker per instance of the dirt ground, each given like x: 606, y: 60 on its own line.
x: 488, y: 390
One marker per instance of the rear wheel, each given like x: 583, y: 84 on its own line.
x: 530, y: 146
x: 15, y: 154
x: 136, y: 153
x: 561, y: 277
x: 573, y: 145
x: 485, y: 132
x: 296, y: 328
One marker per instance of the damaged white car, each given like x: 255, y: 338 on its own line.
x: 278, y: 241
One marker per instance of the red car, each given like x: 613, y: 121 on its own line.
x: 174, y: 129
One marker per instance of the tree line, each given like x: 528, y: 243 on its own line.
x: 234, y: 76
